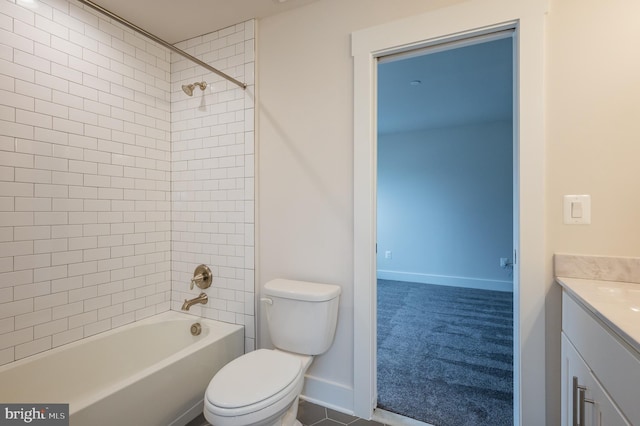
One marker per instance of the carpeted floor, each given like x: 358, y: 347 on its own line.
x: 445, y: 354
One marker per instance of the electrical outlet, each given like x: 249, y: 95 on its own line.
x: 388, y: 254
x: 504, y: 262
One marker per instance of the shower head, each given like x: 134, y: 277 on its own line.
x: 188, y: 88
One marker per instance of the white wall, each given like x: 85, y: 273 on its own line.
x: 593, y: 124
x: 592, y: 138
x: 84, y: 177
x: 445, y: 205
x: 305, y: 137
x: 305, y: 159
x: 212, y: 176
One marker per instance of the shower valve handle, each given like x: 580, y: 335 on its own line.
x: 201, y: 277
x: 194, y: 280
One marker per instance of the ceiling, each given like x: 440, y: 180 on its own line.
x: 178, y: 20
x: 470, y: 84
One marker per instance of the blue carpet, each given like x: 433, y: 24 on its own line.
x: 445, y: 354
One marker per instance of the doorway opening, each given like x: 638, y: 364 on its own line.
x: 530, y: 269
x: 445, y: 232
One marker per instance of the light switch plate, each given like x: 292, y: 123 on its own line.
x: 580, y: 203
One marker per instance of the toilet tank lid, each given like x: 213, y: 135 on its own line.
x: 301, y: 290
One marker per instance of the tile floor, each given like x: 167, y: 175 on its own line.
x: 313, y: 415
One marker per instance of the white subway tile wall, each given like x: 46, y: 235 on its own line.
x: 74, y: 190
x: 212, y: 176
x: 93, y: 127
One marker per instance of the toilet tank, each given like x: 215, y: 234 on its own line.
x: 301, y: 316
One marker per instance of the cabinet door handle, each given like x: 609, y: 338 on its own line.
x: 579, y: 401
x: 576, y: 391
x: 574, y: 406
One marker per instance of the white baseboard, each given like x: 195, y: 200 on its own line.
x: 189, y: 415
x: 465, y: 282
x: 328, y: 394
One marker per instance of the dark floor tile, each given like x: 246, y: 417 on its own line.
x: 363, y: 422
x: 199, y: 421
x: 310, y: 414
x: 328, y: 422
x: 340, y: 417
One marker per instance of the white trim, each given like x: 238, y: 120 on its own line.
x: 443, y: 46
x: 393, y: 419
x: 189, y: 415
x: 446, y: 280
x: 328, y: 394
x: 471, y: 17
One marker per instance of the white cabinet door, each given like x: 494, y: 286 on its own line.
x: 584, y: 401
x: 616, y: 366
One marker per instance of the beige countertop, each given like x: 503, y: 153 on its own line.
x: 617, y: 304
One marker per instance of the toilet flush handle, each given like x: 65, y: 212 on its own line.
x: 267, y: 300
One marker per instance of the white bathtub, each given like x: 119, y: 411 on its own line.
x: 152, y: 372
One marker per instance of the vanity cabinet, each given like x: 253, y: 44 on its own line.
x: 584, y: 401
x: 600, y: 372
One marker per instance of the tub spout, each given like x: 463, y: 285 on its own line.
x: 202, y: 298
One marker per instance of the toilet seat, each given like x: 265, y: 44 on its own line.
x: 257, y: 380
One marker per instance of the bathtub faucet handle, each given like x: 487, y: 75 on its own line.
x: 201, y: 277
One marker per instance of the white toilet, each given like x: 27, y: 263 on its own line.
x: 262, y: 387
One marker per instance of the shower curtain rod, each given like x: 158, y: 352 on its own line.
x: 162, y: 42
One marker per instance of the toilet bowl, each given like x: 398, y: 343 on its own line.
x: 259, y: 388
x: 262, y: 388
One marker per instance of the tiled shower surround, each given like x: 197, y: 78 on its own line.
x: 212, y: 178
x: 114, y: 184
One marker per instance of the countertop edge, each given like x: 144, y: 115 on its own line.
x: 569, y: 285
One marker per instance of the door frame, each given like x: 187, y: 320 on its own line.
x: 469, y: 18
